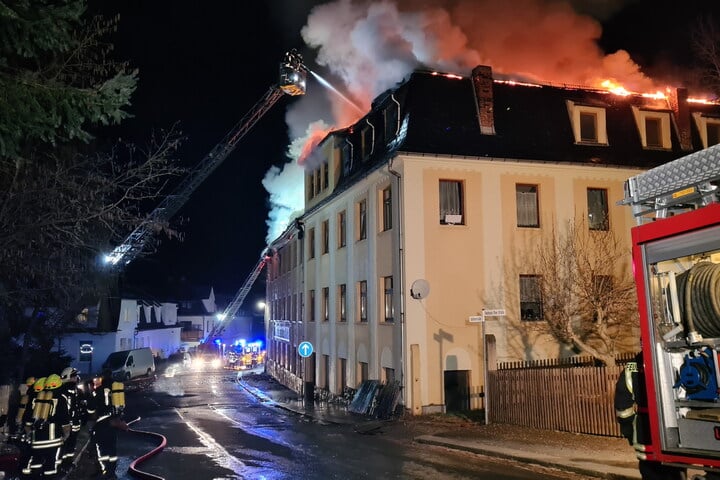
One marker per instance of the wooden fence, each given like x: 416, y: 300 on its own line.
x: 568, y: 395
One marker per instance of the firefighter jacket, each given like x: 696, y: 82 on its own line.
x: 100, y: 403
x: 48, y: 432
x: 631, y: 406
x: 76, y: 410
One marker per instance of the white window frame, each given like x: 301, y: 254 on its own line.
x: 702, y: 122
x: 574, y: 111
x: 641, y: 117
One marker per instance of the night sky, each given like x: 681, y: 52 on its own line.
x: 205, y: 64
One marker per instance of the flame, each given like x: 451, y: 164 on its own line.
x: 313, y: 140
x: 448, y: 75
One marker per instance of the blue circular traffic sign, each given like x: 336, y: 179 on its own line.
x: 305, y: 349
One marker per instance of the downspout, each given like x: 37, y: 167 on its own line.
x: 401, y: 278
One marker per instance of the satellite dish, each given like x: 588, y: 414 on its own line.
x: 420, y: 289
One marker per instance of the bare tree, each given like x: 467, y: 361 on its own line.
x: 706, y: 45
x: 587, y: 290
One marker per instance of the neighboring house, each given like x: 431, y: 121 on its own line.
x: 124, y: 325
x: 424, y: 213
x: 197, y: 315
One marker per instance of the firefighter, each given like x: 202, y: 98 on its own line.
x: 632, y: 414
x: 107, y: 405
x: 72, y: 395
x: 15, y: 421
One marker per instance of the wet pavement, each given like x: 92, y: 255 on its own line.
x: 591, y: 456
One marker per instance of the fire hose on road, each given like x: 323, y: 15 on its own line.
x: 133, y: 470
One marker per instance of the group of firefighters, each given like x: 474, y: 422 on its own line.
x: 50, y: 413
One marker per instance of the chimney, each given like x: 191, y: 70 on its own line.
x: 483, y: 88
x: 677, y: 99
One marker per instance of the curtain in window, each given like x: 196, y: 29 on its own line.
x: 450, y: 198
x: 527, y: 212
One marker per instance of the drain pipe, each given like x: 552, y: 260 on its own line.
x: 401, y: 275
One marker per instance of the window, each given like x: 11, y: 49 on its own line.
x: 311, y: 243
x: 325, y: 176
x: 713, y: 134
x: 597, y: 200
x: 654, y: 128
x: 325, y: 236
x: 451, y: 202
x: 311, y: 306
x: 342, y: 303
x: 388, y: 298
x: 526, y: 198
x: 389, y: 374
x: 653, y: 135
x: 318, y: 187
x: 362, y: 301
x: 386, y: 209
x: 531, y: 307
x: 362, y: 219
x: 342, y: 229
x: 325, y: 304
x: 588, y: 127
x: 311, y: 185
x: 366, y: 139
x: 342, y: 371
x: 709, y: 129
x: 392, y: 121
x: 363, y: 371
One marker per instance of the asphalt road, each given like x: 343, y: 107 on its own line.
x: 217, y: 430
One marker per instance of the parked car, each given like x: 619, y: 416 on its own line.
x: 129, y: 364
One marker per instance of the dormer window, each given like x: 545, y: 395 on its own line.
x: 367, y: 139
x: 654, y: 128
x: 708, y: 128
x: 588, y: 124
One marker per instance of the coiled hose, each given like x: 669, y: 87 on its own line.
x: 699, y: 295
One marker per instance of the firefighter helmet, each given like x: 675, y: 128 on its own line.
x: 68, y: 374
x: 30, y: 381
x: 39, y: 384
x: 53, y: 381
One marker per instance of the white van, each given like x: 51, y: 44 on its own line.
x: 129, y: 364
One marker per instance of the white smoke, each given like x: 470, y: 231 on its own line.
x: 371, y: 46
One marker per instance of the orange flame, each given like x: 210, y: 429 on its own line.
x: 312, y: 141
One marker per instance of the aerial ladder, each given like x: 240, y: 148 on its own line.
x: 293, y: 75
x: 239, y: 298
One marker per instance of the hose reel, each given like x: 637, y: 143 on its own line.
x: 699, y: 298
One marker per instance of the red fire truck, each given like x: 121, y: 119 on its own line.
x: 676, y: 262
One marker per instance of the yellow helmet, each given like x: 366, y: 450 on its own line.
x: 39, y: 384
x: 30, y: 381
x: 52, y: 382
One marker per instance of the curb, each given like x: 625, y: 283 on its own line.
x: 584, y: 468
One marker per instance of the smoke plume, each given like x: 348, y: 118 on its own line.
x: 369, y: 47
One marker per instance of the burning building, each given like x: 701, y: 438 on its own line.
x: 430, y: 208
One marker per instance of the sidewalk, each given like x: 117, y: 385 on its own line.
x: 601, y: 457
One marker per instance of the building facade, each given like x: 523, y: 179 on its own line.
x: 428, y: 211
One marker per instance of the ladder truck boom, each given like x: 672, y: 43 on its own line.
x: 293, y: 75
x: 240, y: 296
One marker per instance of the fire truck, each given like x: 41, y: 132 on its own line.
x: 245, y: 356
x: 676, y: 263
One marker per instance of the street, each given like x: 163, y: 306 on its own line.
x: 216, y: 429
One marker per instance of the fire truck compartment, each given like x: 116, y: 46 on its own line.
x: 699, y: 434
